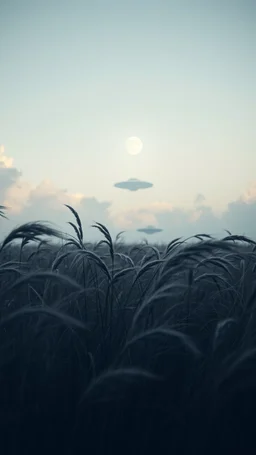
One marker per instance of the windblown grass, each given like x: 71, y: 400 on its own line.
x: 2, y: 211
x: 114, y: 349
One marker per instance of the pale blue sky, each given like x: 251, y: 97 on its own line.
x: 78, y: 77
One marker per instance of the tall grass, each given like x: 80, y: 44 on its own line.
x: 2, y: 211
x: 113, y: 348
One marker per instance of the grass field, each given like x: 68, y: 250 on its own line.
x: 115, y: 348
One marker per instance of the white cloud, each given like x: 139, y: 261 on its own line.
x: 45, y: 201
x: 16, y: 196
x: 5, y: 161
x: 250, y: 194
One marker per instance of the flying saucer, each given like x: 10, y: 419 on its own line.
x: 150, y: 230
x: 133, y: 185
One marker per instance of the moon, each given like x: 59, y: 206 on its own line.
x: 134, y: 145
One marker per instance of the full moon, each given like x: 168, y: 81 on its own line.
x: 134, y: 145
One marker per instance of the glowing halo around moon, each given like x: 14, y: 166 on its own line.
x: 134, y: 145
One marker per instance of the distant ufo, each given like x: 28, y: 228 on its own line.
x: 133, y: 185
x: 149, y: 230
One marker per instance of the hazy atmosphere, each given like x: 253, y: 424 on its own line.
x: 77, y: 79
x: 127, y: 227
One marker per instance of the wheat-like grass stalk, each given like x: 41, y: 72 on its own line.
x: 2, y: 211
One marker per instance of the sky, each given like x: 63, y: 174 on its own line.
x: 77, y: 78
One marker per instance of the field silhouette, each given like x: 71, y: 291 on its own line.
x: 112, y: 348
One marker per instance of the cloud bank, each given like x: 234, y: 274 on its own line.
x: 46, y: 202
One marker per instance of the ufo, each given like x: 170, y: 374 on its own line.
x: 133, y: 185
x: 149, y: 230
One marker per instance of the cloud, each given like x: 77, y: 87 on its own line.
x: 9, y: 175
x: 240, y: 218
x: 134, y: 218
x: 138, y: 218
x: 45, y: 201
x: 92, y: 210
x: 5, y: 161
x: 199, y: 199
x: 16, y: 196
x: 250, y: 194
